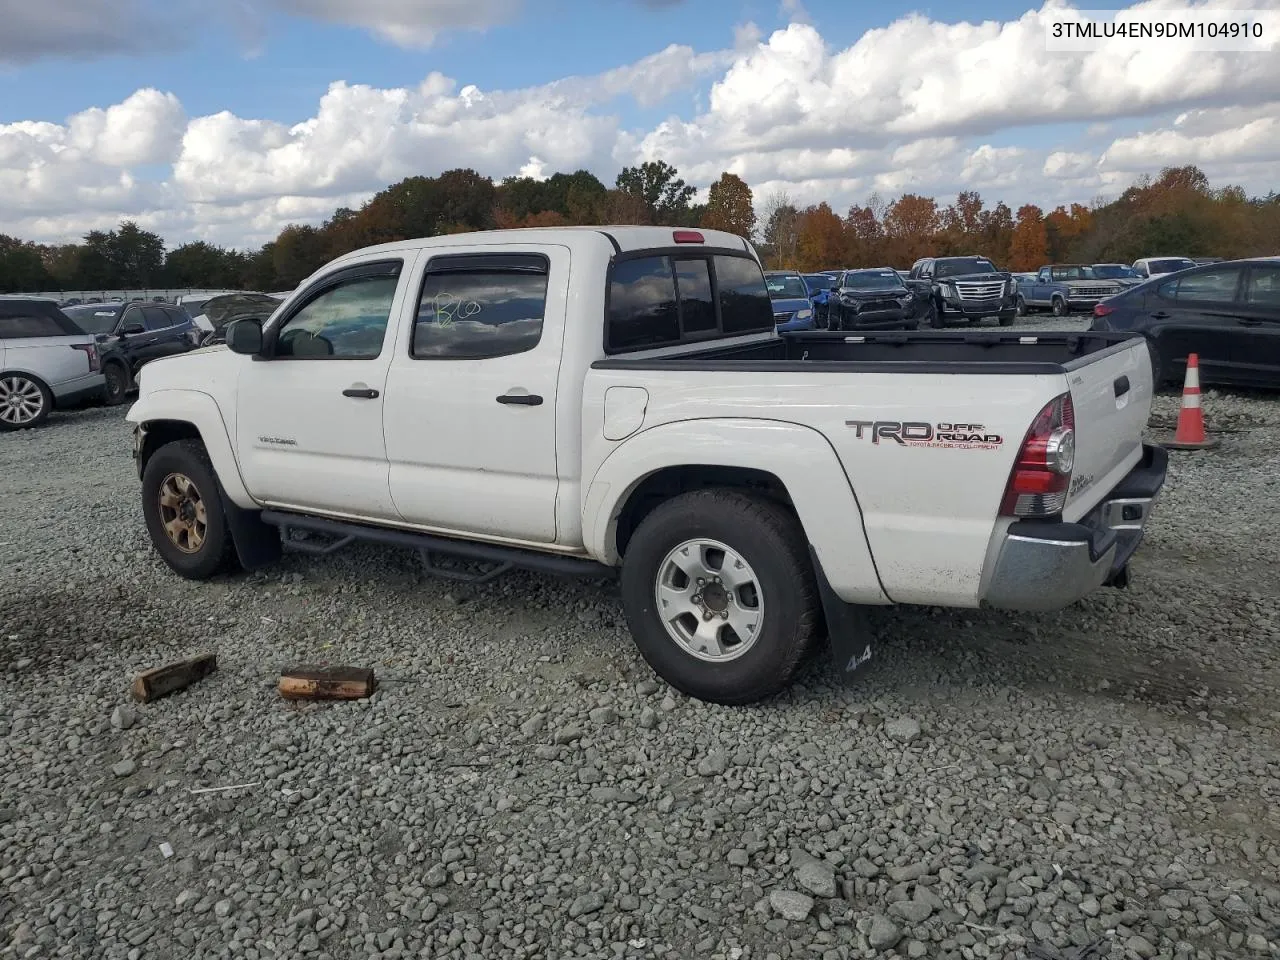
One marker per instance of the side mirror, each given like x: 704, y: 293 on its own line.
x: 245, y: 336
x: 131, y: 329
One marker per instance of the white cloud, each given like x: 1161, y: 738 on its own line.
x: 918, y: 106
x: 406, y: 23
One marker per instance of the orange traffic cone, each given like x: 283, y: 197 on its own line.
x: 1190, y: 434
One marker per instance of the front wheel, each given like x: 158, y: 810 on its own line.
x: 719, y: 594
x: 1059, y: 307
x: 934, y: 316
x: 117, y: 384
x: 24, y: 402
x: 183, y: 510
x: 1021, y: 308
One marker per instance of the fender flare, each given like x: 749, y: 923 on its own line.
x: 202, y: 412
x: 799, y: 456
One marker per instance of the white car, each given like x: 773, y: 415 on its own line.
x: 46, y: 362
x: 1149, y: 267
x: 578, y: 400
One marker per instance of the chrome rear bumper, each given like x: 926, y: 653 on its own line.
x: 1049, y: 565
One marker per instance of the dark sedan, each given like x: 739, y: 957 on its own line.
x: 874, y: 299
x: 1228, y: 313
x: 132, y: 334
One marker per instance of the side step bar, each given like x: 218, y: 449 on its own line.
x: 344, y: 533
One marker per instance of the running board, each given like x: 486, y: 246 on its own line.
x: 504, y: 558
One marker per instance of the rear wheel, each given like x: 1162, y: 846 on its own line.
x: 117, y: 384
x: 24, y: 402
x: 720, y: 596
x: 183, y: 510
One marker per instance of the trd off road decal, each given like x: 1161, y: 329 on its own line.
x: 954, y: 436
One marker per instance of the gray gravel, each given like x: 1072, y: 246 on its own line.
x: 522, y: 787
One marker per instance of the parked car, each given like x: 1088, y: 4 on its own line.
x: 819, y: 285
x: 1149, y: 267
x: 1204, y: 261
x: 903, y: 275
x: 130, y: 335
x: 874, y: 299
x: 193, y: 304
x: 792, y: 309
x: 1061, y: 288
x: 46, y: 362
x: 1228, y: 313
x: 582, y: 400
x: 220, y: 311
x: 1124, y: 275
x: 963, y: 289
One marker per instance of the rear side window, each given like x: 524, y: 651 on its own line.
x: 476, y: 307
x: 1215, y: 285
x: 155, y: 318
x: 17, y: 325
x: 1264, y: 286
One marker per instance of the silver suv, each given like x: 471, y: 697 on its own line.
x: 46, y: 362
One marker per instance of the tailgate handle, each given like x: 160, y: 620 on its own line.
x: 1122, y: 387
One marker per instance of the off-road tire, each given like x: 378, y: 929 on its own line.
x: 217, y: 552
x: 769, y: 538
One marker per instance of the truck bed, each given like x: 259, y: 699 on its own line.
x: 964, y: 352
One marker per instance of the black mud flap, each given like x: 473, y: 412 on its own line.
x: 257, y: 544
x: 848, y: 626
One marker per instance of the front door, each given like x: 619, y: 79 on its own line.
x: 1257, y: 359
x: 309, y: 415
x: 471, y: 395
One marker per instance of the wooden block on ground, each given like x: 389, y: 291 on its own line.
x: 327, y: 683
x: 162, y: 681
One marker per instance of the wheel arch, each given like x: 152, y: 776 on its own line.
x: 168, y: 415
x: 792, y: 464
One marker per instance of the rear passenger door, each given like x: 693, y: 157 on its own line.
x: 170, y: 338
x: 1195, y: 312
x: 1257, y: 338
x: 472, y: 393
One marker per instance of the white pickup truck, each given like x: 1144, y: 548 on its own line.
x: 577, y: 399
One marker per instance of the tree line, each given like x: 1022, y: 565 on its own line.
x: 1176, y: 213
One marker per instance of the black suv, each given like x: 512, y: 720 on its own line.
x: 871, y: 299
x: 963, y: 289
x: 132, y: 334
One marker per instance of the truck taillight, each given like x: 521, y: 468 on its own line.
x: 1042, y: 473
x: 95, y: 362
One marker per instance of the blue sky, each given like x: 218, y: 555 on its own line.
x: 285, y: 65
x: 227, y: 119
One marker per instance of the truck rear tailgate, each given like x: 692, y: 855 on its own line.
x: 1111, y: 392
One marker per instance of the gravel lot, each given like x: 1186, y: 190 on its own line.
x: 991, y: 785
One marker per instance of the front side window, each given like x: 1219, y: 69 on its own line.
x: 1264, y: 286
x: 347, y: 321
x: 132, y: 321
x: 642, y: 304
x: 1216, y: 285
x: 475, y: 308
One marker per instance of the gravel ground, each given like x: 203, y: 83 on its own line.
x: 990, y: 785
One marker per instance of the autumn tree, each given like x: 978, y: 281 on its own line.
x: 864, y: 237
x: 910, y: 226
x: 821, y: 240
x: 995, y: 233
x: 1029, y: 246
x: 729, y: 206
x: 961, y: 225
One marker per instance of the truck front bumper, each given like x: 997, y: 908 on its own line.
x: 1047, y: 566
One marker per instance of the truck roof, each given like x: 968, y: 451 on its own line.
x: 623, y: 238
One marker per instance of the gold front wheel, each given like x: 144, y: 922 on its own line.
x: 182, y: 513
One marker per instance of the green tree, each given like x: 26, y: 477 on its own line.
x: 666, y: 197
x: 22, y: 269
x: 729, y: 206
